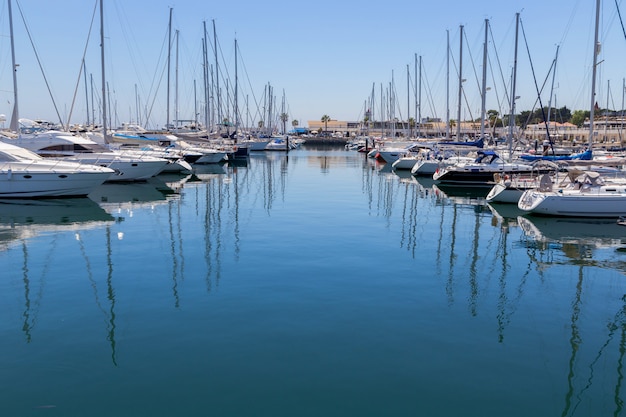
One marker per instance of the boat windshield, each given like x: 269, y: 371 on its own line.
x: 17, y: 154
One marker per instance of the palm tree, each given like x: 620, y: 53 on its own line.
x: 283, y: 118
x: 325, y: 120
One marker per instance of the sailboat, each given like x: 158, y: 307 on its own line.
x: 587, y: 194
x: 81, y: 150
x: 481, y: 171
x: 448, y: 153
x: 24, y: 174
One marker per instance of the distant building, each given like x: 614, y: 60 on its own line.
x: 608, y: 132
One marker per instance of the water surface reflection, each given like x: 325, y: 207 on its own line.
x: 286, y: 279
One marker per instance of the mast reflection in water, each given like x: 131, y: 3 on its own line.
x: 315, y: 282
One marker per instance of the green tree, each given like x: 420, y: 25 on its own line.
x: 563, y: 114
x: 494, y: 121
x: 523, y: 118
x: 579, y: 116
x: 283, y: 118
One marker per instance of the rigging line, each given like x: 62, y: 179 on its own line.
x: 570, y: 21
x: 39, y: 62
x: 243, y: 64
x: 469, y: 51
x: 429, y: 94
x: 499, y: 100
x: 156, y: 82
x: 506, y: 98
x: 82, y: 64
x: 619, y: 14
x: 535, y: 79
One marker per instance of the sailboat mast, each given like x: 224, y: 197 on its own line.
x: 169, y: 55
x: 207, y: 95
x: 419, y: 95
x: 415, y: 94
x: 458, y: 119
x: 176, y: 115
x: 217, y: 76
x: 236, y: 91
x: 448, y: 84
x: 13, y: 124
x: 408, y: 98
x: 104, y: 91
x: 596, y: 51
x: 551, y: 94
x: 513, y: 82
x: 483, y: 109
x: 86, y: 90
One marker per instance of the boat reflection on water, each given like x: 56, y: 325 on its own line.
x: 468, y: 196
x: 207, y: 172
x: 578, y: 238
x: 472, y: 192
x: 118, y: 195
x: 170, y: 184
x: 573, y: 230
x: 505, y: 215
x: 21, y: 219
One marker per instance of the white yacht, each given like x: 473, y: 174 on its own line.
x: 58, y: 144
x: 24, y: 174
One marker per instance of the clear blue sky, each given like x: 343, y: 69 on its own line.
x: 326, y: 56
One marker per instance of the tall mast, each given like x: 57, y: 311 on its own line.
x: 236, y: 91
x: 217, y: 77
x: 483, y: 109
x: 415, y: 95
x: 448, y: 84
x: 513, y: 83
x: 408, y: 97
x: 169, y: 55
x: 551, y: 94
x: 458, y: 119
x: 596, y: 51
x: 419, y: 100
x: 104, y: 90
x: 207, y: 95
x: 86, y: 91
x: 176, y: 115
x: 14, y: 117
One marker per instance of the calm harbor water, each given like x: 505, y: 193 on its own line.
x: 314, y: 283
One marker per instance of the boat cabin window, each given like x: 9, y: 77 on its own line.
x: 68, y: 148
x: 486, y: 158
x: 89, y: 148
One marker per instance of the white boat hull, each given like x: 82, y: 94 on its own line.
x: 406, y: 163
x: 500, y: 193
x: 36, y: 180
x: 126, y: 169
x: 602, y: 204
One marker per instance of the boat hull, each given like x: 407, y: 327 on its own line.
x: 574, y: 205
x: 31, y: 184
